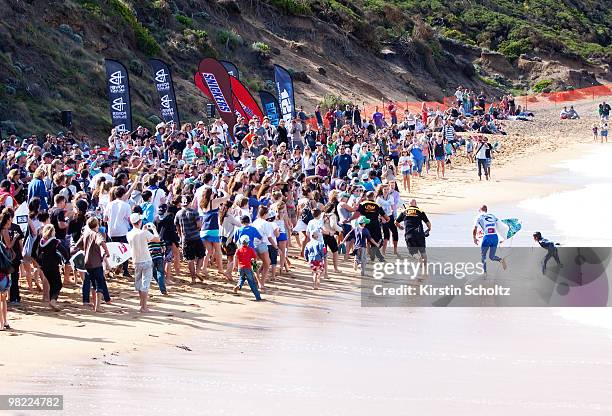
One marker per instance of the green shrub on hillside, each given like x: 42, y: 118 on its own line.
x: 229, y: 38
x: 146, y: 42
x: 512, y: 49
x: 294, y: 7
x: 184, y: 20
x: 541, y: 85
x: 261, y: 47
x: 91, y: 6
x: 331, y: 101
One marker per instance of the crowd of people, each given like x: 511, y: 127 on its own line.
x: 229, y: 203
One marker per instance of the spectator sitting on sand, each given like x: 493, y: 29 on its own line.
x: 570, y: 114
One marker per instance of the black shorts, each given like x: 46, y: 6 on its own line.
x: 415, y: 243
x: 331, y: 243
x: 375, y: 231
x: 194, y: 249
x: 273, y: 253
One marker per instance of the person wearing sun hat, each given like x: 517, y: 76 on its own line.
x: 139, y: 240
x: 245, y: 255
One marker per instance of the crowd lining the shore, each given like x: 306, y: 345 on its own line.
x: 198, y: 194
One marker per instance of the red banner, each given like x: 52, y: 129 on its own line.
x: 245, y: 100
x: 204, y: 88
x: 216, y: 78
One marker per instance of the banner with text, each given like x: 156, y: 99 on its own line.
x: 118, y: 87
x: 270, y: 107
x: 284, y: 92
x: 165, y: 88
x: 217, y: 80
x: 204, y: 88
x: 246, y: 100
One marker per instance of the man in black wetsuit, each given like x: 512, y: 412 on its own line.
x: 551, y: 250
x: 413, y: 219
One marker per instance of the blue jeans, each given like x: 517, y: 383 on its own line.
x: 95, y: 277
x: 247, y: 274
x: 158, y: 274
x: 489, y: 243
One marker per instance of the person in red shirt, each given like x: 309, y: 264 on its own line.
x: 329, y: 117
x: 244, y: 256
x: 392, y: 111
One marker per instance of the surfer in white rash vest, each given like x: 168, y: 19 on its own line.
x: 488, y: 224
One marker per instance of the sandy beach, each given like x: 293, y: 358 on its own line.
x: 44, y: 343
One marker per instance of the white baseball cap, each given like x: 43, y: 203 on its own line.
x: 135, y: 217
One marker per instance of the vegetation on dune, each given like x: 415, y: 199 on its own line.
x: 579, y: 28
x: 541, y: 85
x: 49, y: 62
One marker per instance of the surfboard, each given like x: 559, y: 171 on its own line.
x: 506, y: 229
x: 514, y: 226
x: 78, y: 261
x: 119, y: 253
x: 21, y: 216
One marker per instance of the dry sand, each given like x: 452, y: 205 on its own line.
x: 43, y: 339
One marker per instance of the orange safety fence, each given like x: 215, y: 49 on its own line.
x: 529, y: 102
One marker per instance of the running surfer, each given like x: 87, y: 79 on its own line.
x: 488, y: 224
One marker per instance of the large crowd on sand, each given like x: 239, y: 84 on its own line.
x: 227, y: 204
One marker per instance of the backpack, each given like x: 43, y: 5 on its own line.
x: 306, y: 216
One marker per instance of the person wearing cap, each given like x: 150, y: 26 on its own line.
x: 361, y: 237
x: 245, y: 256
x: 188, y: 225
x: 139, y: 240
x: 250, y: 231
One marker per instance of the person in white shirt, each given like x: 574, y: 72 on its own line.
x: 104, y: 169
x: 138, y: 239
x: 117, y: 216
x: 266, y: 229
x: 316, y: 224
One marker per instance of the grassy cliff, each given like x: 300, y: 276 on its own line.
x: 52, y: 53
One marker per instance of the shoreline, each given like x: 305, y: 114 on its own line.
x: 44, y: 339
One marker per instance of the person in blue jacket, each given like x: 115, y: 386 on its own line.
x: 37, y: 188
